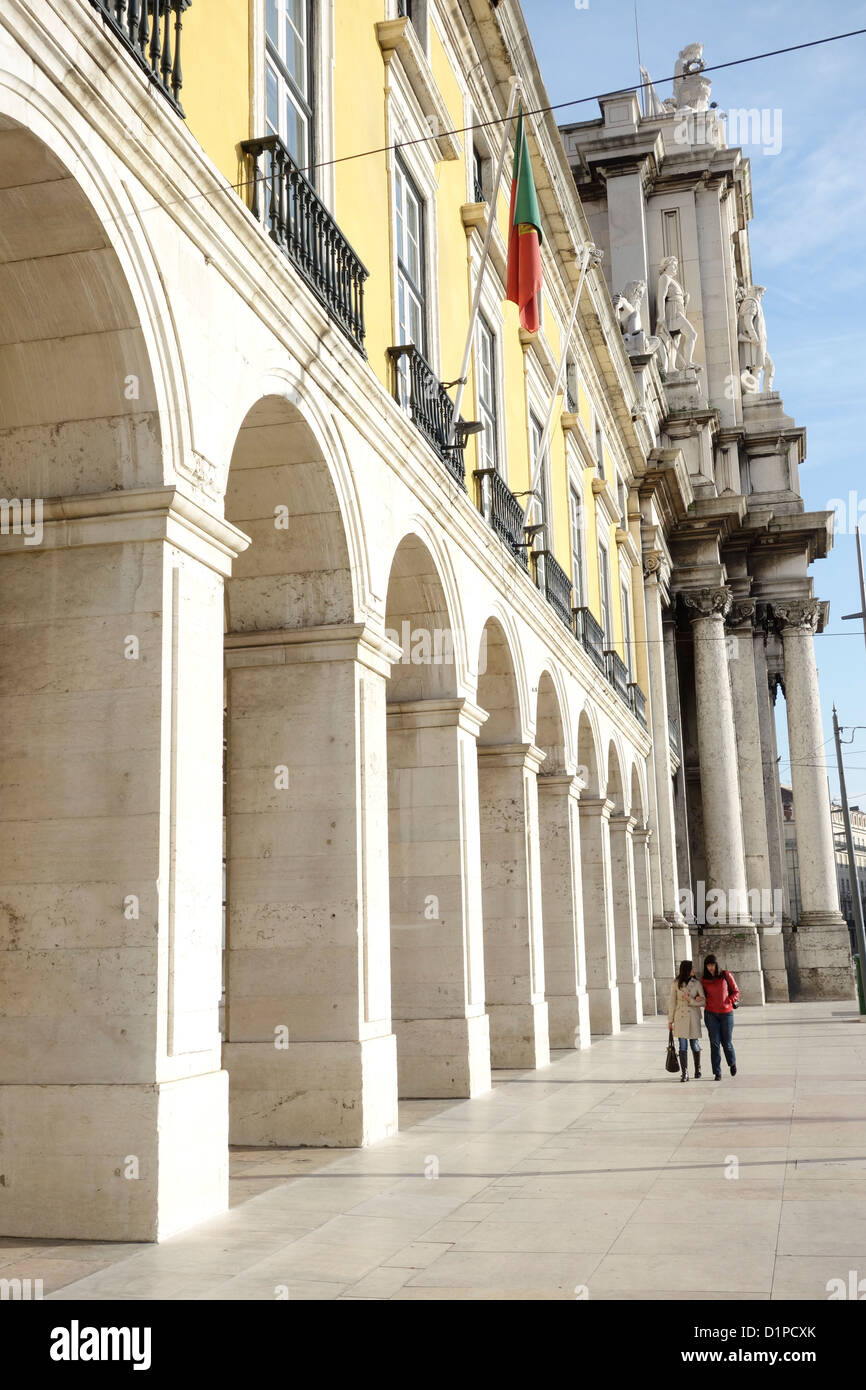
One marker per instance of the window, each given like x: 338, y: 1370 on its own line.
x: 622, y: 493
x: 604, y: 587
x: 542, y: 486
x: 488, y: 452
x: 627, y: 640
x: 571, y: 392
x: 575, y: 511
x: 411, y: 279
x: 289, y: 77
x: 599, y: 450
x: 478, y: 175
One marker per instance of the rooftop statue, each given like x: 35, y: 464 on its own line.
x: 752, y: 334
x: 629, y: 310
x: 691, y: 88
x: 677, y: 335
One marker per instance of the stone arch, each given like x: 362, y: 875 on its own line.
x: 280, y: 492
x: 615, y: 786
x: 588, y: 745
x: 419, y: 618
x: 637, y: 799
x: 81, y: 406
x: 500, y: 692
x: 551, y: 732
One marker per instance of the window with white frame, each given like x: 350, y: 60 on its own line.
x: 575, y: 512
x: 543, y: 512
x: 622, y: 493
x: 599, y: 450
x: 572, y: 396
x: 488, y: 451
x: 604, y: 589
x: 289, y: 94
x: 411, y: 269
x: 627, y: 634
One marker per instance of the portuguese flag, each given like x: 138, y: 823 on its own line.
x: 524, y: 278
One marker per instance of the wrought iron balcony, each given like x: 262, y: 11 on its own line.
x: 638, y: 703
x: 617, y: 674
x: 151, y: 31
x: 419, y: 390
x: 591, y: 635
x: 404, y: 9
x: 673, y: 734
x: 501, y: 509
x: 552, y: 579
x: 304, y: 230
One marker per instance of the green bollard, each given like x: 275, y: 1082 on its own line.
x: 860, y: 994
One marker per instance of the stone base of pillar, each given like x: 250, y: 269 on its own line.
x: 630, y: 1008
x: 737, y: 949
x: 114, y: 1162
x: 519, y: 1036
x: 443, y: 1057
x: 564, y: 1015
x: 773, y: 965
x: 313, y: 1094
x: 649, y: 1005
x: 681, y: 934
x: 818, y: 957
x: 604, y: 1013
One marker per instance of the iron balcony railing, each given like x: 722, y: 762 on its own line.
x: 617, y: 674
x: 638, y: 703
x: 404, y: 9
x: 552, y: 579
x: 479, y: 191
x: 591, y: 634
x: 673, y: 734
x: 304, y: 230
x: 419, y: 390
x: 501, y: 509
x: 151, y: 31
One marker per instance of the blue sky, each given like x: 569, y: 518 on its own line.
x: 808, y: 240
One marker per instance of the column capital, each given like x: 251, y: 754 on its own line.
x: 741, y: 613
x: 624, y: 821
x: 798, y: 615
x: 512, y: 755
x: 600, y: 806
x: 707, y: 602
x: 340, y: 642
x: 567, y: 783
x: 444, y: 713
x: 655, y: 567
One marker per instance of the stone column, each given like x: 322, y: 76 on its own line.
x: 669, y: 928
x: 511, y: 898
x: 309, y: 1046
x: 765, y: 691
x: 598, y: 916
x: 562, y: 911
x: 437, y: 946
x: 730, y: 932
x: 644, y: 910
x: 113, y: 1107
x: 765, y: 895
x: 625, y: 918
x: 823, y: 957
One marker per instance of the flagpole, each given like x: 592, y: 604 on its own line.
x: 589, y: 256
x: 488, y: 237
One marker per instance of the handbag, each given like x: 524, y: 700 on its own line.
x: 735, y: 1003
x: 671, y: 1060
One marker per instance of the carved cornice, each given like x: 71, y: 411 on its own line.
x: 707, y: 602
x: 742, y: 613
x: 799, y: 615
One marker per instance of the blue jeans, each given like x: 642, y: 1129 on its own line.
x: 695, y: 1042
x: 721, y: 1030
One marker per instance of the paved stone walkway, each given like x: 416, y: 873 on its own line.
x: 590, y: 1178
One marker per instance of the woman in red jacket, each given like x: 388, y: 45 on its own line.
x: 723, y: 996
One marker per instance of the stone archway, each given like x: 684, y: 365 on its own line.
x: 598, y: 914
x: 622, y: 824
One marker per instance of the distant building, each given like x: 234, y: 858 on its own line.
x: 843, y: 873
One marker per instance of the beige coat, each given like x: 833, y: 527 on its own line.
x: 684, y: 1009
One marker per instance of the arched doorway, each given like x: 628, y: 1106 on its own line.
x: 437, y: 969
x: 622, y: 876
x: 598, y: 914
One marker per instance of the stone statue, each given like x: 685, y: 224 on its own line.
x: 691, y: 88
x: 677, y: 335
x: 629, y: 309
x: 753, y: 335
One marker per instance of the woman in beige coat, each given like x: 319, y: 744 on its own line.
x: 684, y: 1016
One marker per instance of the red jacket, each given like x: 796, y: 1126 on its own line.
x: 721, y: 991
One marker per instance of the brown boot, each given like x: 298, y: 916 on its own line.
x: 697, y: 1057
x: 684, y: 1066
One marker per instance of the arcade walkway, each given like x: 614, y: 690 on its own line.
x: 568, y: 1182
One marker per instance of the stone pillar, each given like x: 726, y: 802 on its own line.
x: 644, y: 910
x: 562, y: 911
x: 823, y: 956
x: 765, y: 895
x: 625, y: 918
x: 511, y: 897
x: 113, y: 1107
x: 770, y: 764
x: 733, y: 937
x: 309, y: 1046
x: 437, y: 945
x: 598, y: 915
x: 670, y: 933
